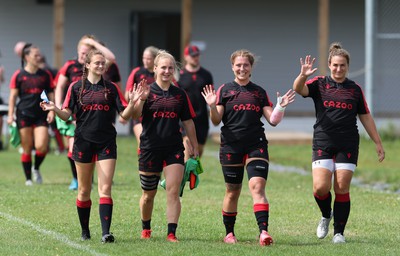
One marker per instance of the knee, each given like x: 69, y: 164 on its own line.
x: 321, y: 191
x: 147, y: 198
x: 233, y: 191
x: 84, y: 193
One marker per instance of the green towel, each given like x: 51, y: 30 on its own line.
x: 15, y: 140
x: 66, y: 128
x: 192, y: 170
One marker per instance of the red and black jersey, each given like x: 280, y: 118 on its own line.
x: 112, y: 74
x: 138, y: 74
x: 337, y: 106
x: 72, y: 69
x: 243, y: 112
x: 30, y: 86
x: 95, y: 115
x: 161, y: 114
x: 193, y: 83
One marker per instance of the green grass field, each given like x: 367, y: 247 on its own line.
x: 42, y: 219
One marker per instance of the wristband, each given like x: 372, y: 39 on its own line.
x: 278, y: 104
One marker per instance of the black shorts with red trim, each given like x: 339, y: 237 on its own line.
x: 84, y: 151
x: 156, y: 160
x: 238, y: 152
x: 340, y: 152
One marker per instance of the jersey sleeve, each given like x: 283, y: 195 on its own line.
x: 363, y: 105
x: 187, y: 111
x: 219, y: 95
x: 313, y: 88
x: 120, y: 101
x: 131, y: 79
x: 266, y: 101
x: 71, y: 98
x: 13, y: 80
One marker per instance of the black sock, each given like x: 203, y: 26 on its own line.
x: 105, y: 211
x: 262, y: 220
x: 27, y: 170
x: 84, y: 214
x: 73, y: 167
x: 229, y: 219
x: 39, y: 157
x: 146, y: 224
x: 324, y: 204
x: 172, y: 228
x: 341, y: 208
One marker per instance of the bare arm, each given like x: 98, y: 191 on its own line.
x: 107, y: 52
x: 191, y: 134
x: 306, y: 70
x: 11, y: 102
x: 64, y: 114
x: 59, y: 92
x: 133, y: 97
x: 369, y: 125
x: 216, y: 111
x: 274, y: 116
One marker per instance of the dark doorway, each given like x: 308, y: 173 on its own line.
x: 162, y: 30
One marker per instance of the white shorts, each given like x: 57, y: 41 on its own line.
x: 332, y: 166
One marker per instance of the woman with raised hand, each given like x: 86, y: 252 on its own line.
x: 71, y: 72
x: 338, y: 101
x: 240, y: 105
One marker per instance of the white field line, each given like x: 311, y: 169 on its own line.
x: 60, y: 237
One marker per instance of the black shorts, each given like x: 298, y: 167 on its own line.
x: 346, y: 152
x: 156, y: 160
x: 31, y: 121
x: 85, y: 151
x: 238, y: 152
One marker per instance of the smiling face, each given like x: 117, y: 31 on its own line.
x: 242, y: 68
x: 164, y: 70
x: 97, y: 65
x: 339, y: 68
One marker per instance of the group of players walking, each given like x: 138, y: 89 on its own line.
x: 171, y: 109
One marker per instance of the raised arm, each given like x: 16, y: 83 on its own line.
x: 216, y: 111
x: 306, y: 70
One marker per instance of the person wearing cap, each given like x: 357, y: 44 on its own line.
x: 193, y: 78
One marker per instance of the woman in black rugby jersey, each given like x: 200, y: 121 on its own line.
x: 240, y: 105
x: 27, y: 84
x: 338, y: 101
x: 162, y: 106
x: 94, y: 102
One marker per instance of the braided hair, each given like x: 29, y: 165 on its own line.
x: 88, y: 59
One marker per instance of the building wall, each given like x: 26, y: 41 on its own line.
x: 278, y: 32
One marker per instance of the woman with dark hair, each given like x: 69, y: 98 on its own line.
x: 338, y: 101
x: 94, y: 102
x: 27, y: 84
